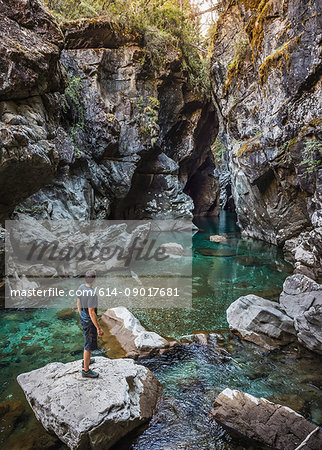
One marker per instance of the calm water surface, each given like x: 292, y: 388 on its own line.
x: 193, y: 375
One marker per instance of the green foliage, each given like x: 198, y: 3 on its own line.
x: 72, y: 103
x: 312, y: 151
x: 148, y: 117
x: 167, y: 25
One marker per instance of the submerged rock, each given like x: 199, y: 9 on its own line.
x: 66, y: 314
x: 264, y: 422
x: 172, y: 249
x: 217, y: 238
x: 131, y: 334
x: 260, y: 321
x: 215, y: 252
x: 10, y: 413
x: 87, y: 413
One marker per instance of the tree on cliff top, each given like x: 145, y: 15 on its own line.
x: 163, y: 24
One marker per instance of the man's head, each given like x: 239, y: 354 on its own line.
x: 90, y: 276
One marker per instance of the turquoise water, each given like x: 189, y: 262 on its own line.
x: 252, y: 267
x: 193, y: 375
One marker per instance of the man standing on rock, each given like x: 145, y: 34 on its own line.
x: 87, y: 307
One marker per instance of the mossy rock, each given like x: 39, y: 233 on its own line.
x: 292, y: 401
x: 66, y: 314
x: 32, y: 350
x: 249, y: 261
x: 10, y: 412
x: 216, y: 252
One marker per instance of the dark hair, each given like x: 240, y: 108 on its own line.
x: 90, y: 276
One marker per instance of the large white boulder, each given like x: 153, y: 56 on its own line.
x: 264, y: 422
x: 91, y: 413
x: 260, y: 321
x: 131, y: 334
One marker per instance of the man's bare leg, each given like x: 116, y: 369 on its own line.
x: 87, y: 358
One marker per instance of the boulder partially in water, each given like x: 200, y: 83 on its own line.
x: 92, y: 413
x: 302, y: 300
x: 131, y: 334
x: 260, y: 321
x: 264, y: 422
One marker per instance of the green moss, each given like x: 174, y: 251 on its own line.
x: 277, y: 59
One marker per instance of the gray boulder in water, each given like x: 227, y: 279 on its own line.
x: 260, y: 321
x: 264, y: 422
x: 91, y: 413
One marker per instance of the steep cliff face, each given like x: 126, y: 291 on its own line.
x: 266, y: 81
x: 92, y: 130
x: 30, y: 81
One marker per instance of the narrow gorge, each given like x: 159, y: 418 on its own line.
x: 102, y: 118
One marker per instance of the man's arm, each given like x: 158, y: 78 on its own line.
x: 93, y: 317
x: 79, y: 306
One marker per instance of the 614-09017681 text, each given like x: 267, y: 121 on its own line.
x: 108, y: 292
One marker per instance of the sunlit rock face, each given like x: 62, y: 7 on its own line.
x: 91, y: 130
x: 266, y: 80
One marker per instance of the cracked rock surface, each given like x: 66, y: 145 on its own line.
x: 271, y: 424
x: 91, y: 413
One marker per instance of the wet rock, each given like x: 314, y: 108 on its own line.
x: 217, y: 238
x: 260, y: 321
x: 133, y: 337
x: 122, y: 398
x: 215, y: 252
x: 264, y: 422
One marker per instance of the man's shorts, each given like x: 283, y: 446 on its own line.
x: 90, y: 333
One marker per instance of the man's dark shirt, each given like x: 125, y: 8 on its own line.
x: 88, y: 299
